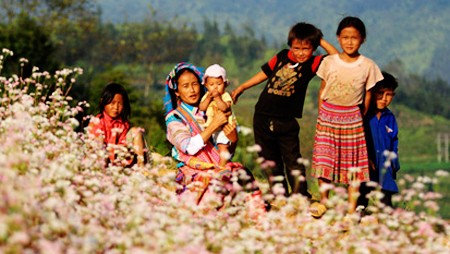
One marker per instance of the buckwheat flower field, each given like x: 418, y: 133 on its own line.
x: 59, y: 196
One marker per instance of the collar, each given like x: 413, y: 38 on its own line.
x: 385, y: 111
x: 191, y: 109
x: 110, y: 119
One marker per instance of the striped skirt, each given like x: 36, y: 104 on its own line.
x: 340, y: 151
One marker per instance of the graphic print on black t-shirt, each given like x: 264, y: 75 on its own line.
x: 285, y: 90
x: 282, y: 82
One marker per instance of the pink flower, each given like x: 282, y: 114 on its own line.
x: 425, y: 229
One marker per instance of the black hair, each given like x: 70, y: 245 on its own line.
x: 305, y: 32
x: 173, y: 96
x: 108, y: 95
x: 388, y: 82
x: 352, y: 22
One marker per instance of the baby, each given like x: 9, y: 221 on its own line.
x: 216, y: 98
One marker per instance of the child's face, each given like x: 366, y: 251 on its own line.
x: 115, y: 107
x: 350, y: 40
x: 383, y: 98
x: 302, y: 50
x: 215, y: 84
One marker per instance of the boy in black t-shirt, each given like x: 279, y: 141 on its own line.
x: 275, y: 125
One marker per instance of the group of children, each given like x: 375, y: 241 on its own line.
x: 354, y: 127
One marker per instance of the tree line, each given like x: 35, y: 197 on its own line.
x: 53, y: 34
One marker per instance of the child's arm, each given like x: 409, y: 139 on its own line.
x: 221, y: 104
x: 231, y: 133
x: 395, y: 162
x: 322, y: 86
x: 204, y: 103
x: 217, y: 122
x: 253, y: 81
x: 329, y: 48
x: 366, y: 104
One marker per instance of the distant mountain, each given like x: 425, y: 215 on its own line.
x: 416, y: 32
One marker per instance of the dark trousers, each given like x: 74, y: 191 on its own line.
x: 279, y: 142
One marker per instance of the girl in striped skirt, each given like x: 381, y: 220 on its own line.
x: 340, y: 153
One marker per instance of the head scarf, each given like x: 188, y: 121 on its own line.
x: 172, y: 86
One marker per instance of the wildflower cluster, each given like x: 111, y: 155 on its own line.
x: 59, y: 196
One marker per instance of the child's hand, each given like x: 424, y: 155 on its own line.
x: 220, y: 118
x: 215, y: 93
x: 235, y: 94
x: 230, y: 132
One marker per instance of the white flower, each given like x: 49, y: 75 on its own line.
x: 78, y: 70
x: 326, y: 187
x: 74, y: 122
x: 392, y: 223
x: 245, y: 130
x: 392, y: 155
x: 441, y: 173
x: 3, y: 229
x: 51, y: 203
x: 7, y: 52
x: 431, y: 205
x: 19, y: 238
x: 372, y: 184
x: 303, y: 162
x: 259, y: 160
x: 424, y: 179
x: 418, y: 186
x: 254, y: 148
x: 278, y: 189
x: 225, y: 155
x: 277, y: 178
x: 295, y: 172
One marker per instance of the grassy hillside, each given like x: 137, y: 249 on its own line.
x: 413, y: 31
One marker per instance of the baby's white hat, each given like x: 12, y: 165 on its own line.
x: 215, y: 71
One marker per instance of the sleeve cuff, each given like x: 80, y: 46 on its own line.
x: 195, y: 144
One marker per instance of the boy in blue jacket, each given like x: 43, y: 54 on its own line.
x: 382, y: 141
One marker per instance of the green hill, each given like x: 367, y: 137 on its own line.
x: 415, y: 32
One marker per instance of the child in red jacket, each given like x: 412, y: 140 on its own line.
x: 112, y: 127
